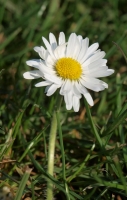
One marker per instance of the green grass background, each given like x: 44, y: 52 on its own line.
x: 25, y: 111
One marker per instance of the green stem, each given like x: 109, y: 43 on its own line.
x: 51, y: 152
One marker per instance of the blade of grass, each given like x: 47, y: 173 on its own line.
x: 101, y: 106
x: 119, y: 120
x: 2, y: 10
x: 113, y: 184
x: 47, y: 176
x: 121, y: 51
x: 102, y: 193
x: 31, y: 145
x: 10, y: 38
x: 22, y: 184
x: 120, y: 171
x: 112, y: 50
x: 119, y: 107
x: 95, y: 132
x: 12, y: 134
x: 83, y: 165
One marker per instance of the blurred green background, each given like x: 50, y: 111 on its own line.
x: 22, y: 25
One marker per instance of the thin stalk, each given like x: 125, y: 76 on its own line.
x: 51, y: 151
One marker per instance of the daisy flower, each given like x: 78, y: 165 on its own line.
x: 72, y: 67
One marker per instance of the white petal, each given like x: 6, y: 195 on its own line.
x: 32, y: 74
x: 90, y: 51
x: 34, y: 63
x: 43, y: 83
x: 89, y: 98
x: 95, y: 70
x: 92, y: 86
x: 76, y: 103
x: 105, y: 84
x: 53, y: 78
x: 49, y: 59
x: 46, y: 89
x: 102, y: 73
x: 95, y: 65
x: 80, y: 88
x: 76, y: 91
x: 83, y: 50
x: 66, y: 87
x: 48, y: 46
x: 45, y: 69
x: 61, y: 38
x: 37, y: 49
x: 80, y: 38
x: 52, y: 89
x: 97, y: 51
x: 77, y: 49
x: 71, y: 45
x: 94, y: 81
x: 85, y: 92
x: 41, y: 51
x: 60, y: 51
x: 53, y: 41
x: 95, y: 57
x: 68, y: 100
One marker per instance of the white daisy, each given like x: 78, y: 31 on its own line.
x: 73, y: 67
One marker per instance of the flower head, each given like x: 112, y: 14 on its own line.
x: 73, y: 67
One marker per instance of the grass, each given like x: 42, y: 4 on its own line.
x: 95, y: 150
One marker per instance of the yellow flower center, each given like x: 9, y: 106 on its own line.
x: 68, y: 68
